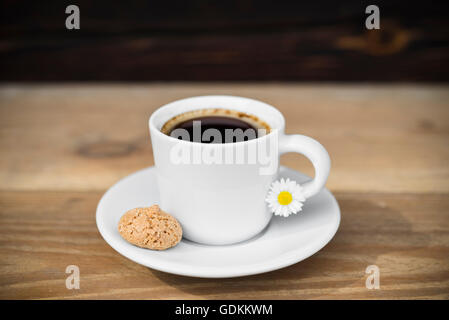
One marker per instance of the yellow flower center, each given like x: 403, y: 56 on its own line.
x: 284, y: 198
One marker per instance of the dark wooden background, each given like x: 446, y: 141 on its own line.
x: 224, y: 40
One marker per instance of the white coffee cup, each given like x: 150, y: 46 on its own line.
x: 224, y: 203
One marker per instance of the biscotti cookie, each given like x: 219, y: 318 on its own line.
x: 150, y: 228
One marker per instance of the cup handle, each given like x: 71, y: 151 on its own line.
x: 315, y: 152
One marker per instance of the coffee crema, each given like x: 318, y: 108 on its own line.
x: 215, y: 126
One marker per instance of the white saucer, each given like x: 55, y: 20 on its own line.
x: 284, y: 242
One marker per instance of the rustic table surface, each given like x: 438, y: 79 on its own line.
x: 62, y: 146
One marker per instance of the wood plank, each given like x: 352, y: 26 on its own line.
x: 311, y: 54
x: 203, y: 41
x: 406, y: 235
x: 391, y: 138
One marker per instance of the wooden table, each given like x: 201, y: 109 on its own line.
x: 62, y: 146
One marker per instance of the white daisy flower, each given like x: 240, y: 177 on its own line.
x: 285, y: 197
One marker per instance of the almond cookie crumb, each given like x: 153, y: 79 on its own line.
x: 150, y: 228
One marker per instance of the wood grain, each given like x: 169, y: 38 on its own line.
x: 63, y: 146
x: 69, y: 137
x: 222, y: 41
x: 405, y: 235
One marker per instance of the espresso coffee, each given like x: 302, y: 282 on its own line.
x: 215, y: 126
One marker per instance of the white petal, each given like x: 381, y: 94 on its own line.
x: 291, y: 186
x: 278, y: 211
x: 276, y: 187
x: 270, y: 197
x: 299, y: 197
x: 295, y: 206
x: 283, y: 211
